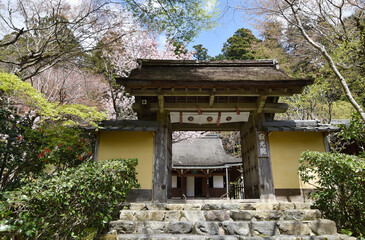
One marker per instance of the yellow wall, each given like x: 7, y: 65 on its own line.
x: 130, y: 145
x: 286, y: 148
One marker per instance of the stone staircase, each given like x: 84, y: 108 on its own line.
x: 222, y: 219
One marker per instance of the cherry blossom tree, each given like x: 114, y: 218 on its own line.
x: 69, y: 85
x: 120, y: 58
x: 38, y: 34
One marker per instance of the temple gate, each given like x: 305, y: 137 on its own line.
x: 212, y: 96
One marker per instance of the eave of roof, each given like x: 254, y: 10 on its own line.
x: 126, y: 125
x: 299, y: 126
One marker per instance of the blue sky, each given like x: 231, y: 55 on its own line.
x: 229, y: 22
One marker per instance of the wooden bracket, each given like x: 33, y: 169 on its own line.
x: 261, y: 103
x: 199, y: 111
x: 219, y: 119
x: 161, y: 103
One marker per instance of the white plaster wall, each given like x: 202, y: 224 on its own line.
x: 218, y: 182
x: 190, y: 186
x: 174, y: 181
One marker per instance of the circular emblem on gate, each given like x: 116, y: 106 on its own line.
x: 228, y: 118
x: 190, y: 118
x: 209, y: 119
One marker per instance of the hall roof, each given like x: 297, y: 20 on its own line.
x: 202, y: 153
x: 194, y: 73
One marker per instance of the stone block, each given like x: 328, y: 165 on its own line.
x: 212, y: 206
x: 151, y: 227
x: 268, y: 215
x: 137, y: 206
x: 223, y: 238
x: 291, y: 227
x: 171, y: 206
x: 293, y: 215
x: 207, y: 228
x: 179, y: 227
x: 266, y: 206
x: 155, y: 206
x: 192, y: 216
x: 242, y: 215
x: 301, y: 206
x: 284, y: 206
x: 127, y: 215
x: 323, y: 227
x: 311, y: 214
x: 141, y: 215
x: 236, y: 228
x: 172, y: 216
x: 230, y: 206
x: 247, y: 206
x: 217, y: 215
x: 122, y: 227
x: 196, y: 206
x: 155, y: 215
x: 267, y: 228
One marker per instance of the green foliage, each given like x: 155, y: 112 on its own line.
x: 181, y: 20
x: 27, y: 152
x: 22, y: 93
x: 201, y: 53
x: 239, y: 46
x: 70, y: 203
x: 340, y: 187
x: 351, y: 135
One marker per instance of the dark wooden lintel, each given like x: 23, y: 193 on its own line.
x: 206, y: 127
x: 220, y: 107
x: 239, y: 92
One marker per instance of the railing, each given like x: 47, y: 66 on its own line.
x: 237, y: 192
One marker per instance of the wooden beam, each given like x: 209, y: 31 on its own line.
x: 219, y: 92
x: 206, y: 127
x: 161, y: 103
x: 261, y: 103
x: 220, y: 107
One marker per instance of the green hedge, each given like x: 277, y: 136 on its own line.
x: 69, y: 203
x: 340, y: 188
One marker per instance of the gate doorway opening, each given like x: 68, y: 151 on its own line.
x: 207, y: 167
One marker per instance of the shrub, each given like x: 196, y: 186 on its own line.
x: 340, y: 187
x: 25, y: 152
x: 70, y: 202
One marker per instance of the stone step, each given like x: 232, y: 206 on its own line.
x: 232, y: 237
x: 219, y: 215
x: 242, y: 228
x: 216, y: 205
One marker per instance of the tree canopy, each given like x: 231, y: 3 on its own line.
x: 37, y: 35
x: 239, y: 46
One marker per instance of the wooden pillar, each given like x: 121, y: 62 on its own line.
x: 257, y: 171
x: 266, y: 180
x: 162, y: 163
x: 183, y: 184
x: 204, y: 186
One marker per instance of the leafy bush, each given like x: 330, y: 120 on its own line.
x: 26, y: 152
x: 351, y: 138
x: 340, y: 187
x: 70, y: 202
